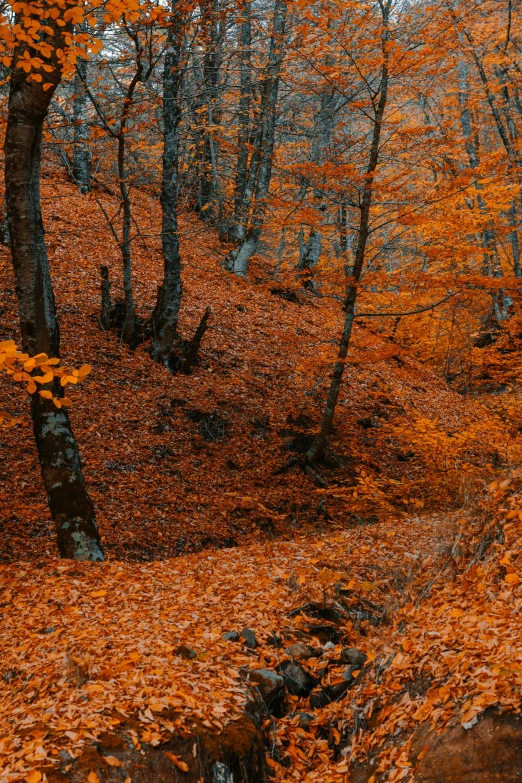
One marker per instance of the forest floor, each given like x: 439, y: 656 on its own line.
x: 181, y: 464
x: 178, y: 463
x: 83, y: 645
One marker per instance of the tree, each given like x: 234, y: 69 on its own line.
x: 29, y: 99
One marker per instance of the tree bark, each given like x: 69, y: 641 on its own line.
x: 81, y: 153
x: 238, y: 260
x: 241, y: 203
x: 71, y: 507
x: 210, y: 201
x: 169, y: 294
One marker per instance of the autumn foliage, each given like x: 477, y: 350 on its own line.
x: 280, y: 242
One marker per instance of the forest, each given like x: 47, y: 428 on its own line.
x: 260, y: 408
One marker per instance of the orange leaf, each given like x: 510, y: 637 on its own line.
x: 112, y: 761
x: 180, y: 764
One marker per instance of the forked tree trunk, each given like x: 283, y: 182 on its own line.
x: 169, y: 294
x: 69, y: 502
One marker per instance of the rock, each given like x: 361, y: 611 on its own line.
x: 237, y: 754
x: 231, y: 636
x: 271, y: 688
x: 249, y: 637
x: 354, y: 657
x: 305, y: 719
x: 186, y: 652
x: 490, y: 752
x: 330, y: 694
x: 348, y: 673
x: 300, y: 652
x: 298, y: 681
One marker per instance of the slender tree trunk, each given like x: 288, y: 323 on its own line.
x: 210, y: 197
x: 81, y: 153
x: 169, y: 295
x: 309, y: 260
x: 492, y: 264
x: 239, y: 258
x: 513, y: 238
x: 69, y: 502
x: 241, y: 203
x: 319, y: 444
x: 323, y: 127
x: 129, y: 327
x: 280, y: 253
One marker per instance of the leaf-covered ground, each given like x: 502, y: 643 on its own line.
x: 84, y: 645
x: 186, y: 476
x: 177, y: 463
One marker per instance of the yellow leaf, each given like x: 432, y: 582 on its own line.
x: 34, y: 776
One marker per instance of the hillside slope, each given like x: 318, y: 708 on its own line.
x: 175, y: 463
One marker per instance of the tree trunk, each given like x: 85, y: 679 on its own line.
x: 81, y: 153
x: 492, y: 265
x: 241, y: 203
x: 239, y: 258
x: 309, y: 260
x: 169, y: 294
x: 210, y: 201
x: 71, y: 507
x: 318, y: 446
x: 129, y: 327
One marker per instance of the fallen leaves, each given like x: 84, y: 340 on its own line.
x: 179, y: 763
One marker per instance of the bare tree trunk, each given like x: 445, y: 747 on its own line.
x: 239, y: 258
x: 309, y: 260
x: 69, y: 502
x: 129, y: 327
x: 169, y: 294
x: 318, y: 446
x: 492, y: 264
x: 236, y: 231
x: 323, y: 127
x: 513, y: 238
x: 210, y: 201
x: 81, y: 153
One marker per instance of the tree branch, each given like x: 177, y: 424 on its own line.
x: 410, y: 312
